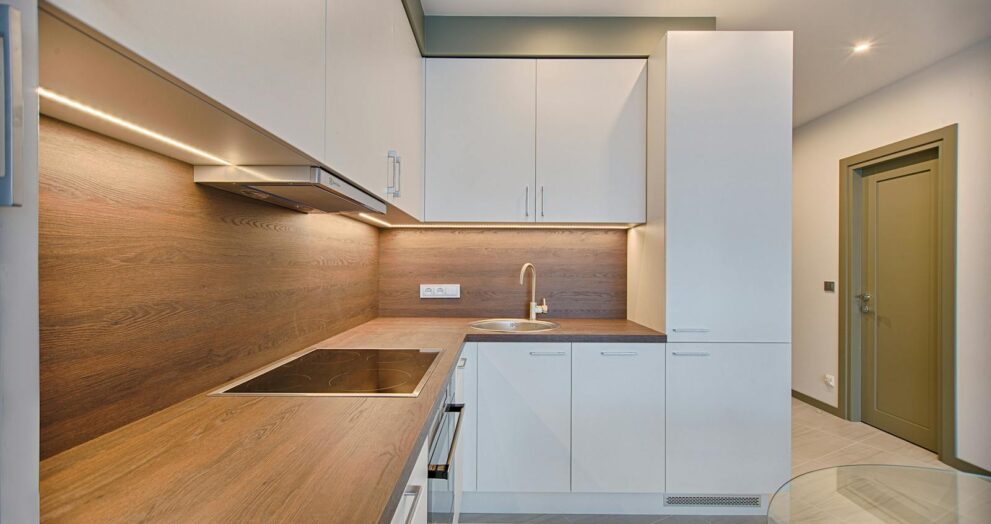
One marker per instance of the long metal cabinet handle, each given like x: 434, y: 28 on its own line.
x: 395, y: 161
x: 415, y: 492
x: 399, y: 176
x: 12, y: 117
x: 441, y: 471
x: 690, y: 330
x: 619, y: 353
x: 526, y: 201
x: 690, y: 353
x: 541, y: 200
x: 547, y: 353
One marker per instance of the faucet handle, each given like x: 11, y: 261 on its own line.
x: 543, y: 306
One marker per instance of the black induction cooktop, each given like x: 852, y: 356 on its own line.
x: 344, y: 372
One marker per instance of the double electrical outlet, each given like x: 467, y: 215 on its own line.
x: 440, y: 290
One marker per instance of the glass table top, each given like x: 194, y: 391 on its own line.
x: 882, y: 493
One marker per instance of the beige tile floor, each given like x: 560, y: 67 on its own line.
x: 818, y: 440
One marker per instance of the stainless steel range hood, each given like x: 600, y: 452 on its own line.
x: 302, y: 188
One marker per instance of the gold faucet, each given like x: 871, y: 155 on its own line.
x: 534, y: 308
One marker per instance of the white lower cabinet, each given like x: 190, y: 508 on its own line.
x: 468, y: 394
x: 617, y: 410
x: 524, y: 417
x: 728, y: 418
x: 412, y: 507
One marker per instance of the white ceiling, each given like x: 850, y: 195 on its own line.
x: 908, y: 34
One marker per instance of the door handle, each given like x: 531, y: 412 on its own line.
x: 619, y: 353
x: 865, y: 299
x: 12, y: 105
x: 541, y: 200
x: 396, y: 162
x: 442, y: 471
x: 415, y: 492
x: 690, y: 330
x: 547, y: 353
x: 690, y: 353
x: 526, y: 201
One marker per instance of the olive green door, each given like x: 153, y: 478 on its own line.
x: 898, y: 302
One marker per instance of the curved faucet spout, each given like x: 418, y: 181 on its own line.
x: 533, y: 307
x: 533, y: 279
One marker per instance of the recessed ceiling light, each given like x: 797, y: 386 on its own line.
x: 862, y: 47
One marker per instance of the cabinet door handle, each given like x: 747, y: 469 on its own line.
x: 541, y: 200
x: 619, y: 353
x: 443, y: 471
x: 547, y: 353
x: 394, y: 161
x: 690, y: 330
x: 399, y: 176
x: 462, y: 362
x: 11, y: 105
x: 526, y: 201
x: 415, y: 492
x: 690, y: 353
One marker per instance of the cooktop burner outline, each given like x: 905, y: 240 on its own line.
x: 349, y: 372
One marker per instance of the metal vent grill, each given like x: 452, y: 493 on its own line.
x: 726, y: 501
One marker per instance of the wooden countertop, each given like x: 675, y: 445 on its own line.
x: 278, y: 459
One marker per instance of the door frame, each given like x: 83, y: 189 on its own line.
x: 944, y: 141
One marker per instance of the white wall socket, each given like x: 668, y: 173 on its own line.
x: 440, y: 290
x: 830, y: 380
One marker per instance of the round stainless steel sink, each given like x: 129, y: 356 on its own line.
x: 514, y: 325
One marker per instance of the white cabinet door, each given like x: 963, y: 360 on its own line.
x: 359, y: 77
x: 524, y: 424
x: 480, y: 140
x: 728, y: 418
x: 467, y: 393
x: 265, y: 64
x: 728, y: 183
x: 406, y: 114
x: 617, y: 423
x: 591, y: 140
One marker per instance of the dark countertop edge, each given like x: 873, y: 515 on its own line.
x: 563, y: 337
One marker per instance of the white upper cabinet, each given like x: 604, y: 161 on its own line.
x: 617, y: 409
x: 265, y: 64
x: 727, y: 165
x: 480, y: 140
x: 374, y: 100
x: 407, y: 115
x: 523, y: 140
x: 591, y: 140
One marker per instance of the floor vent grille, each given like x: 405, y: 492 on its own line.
x: 726, y: 501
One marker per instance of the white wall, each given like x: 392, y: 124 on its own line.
x: 954, y: 90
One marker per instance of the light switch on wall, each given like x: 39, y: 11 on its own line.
x: 440, y: 290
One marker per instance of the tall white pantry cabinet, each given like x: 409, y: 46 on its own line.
x: 719, y: 150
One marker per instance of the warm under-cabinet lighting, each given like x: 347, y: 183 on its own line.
x: 383, y: 223
x: 370, y: 218
x: 79, y: 106
x: 862, y: 47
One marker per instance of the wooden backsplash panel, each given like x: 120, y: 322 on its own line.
x: 581, y: 272
x: 154, y: 289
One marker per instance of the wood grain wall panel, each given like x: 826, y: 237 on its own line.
x: 581, y: 272
x: 154, y: 289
